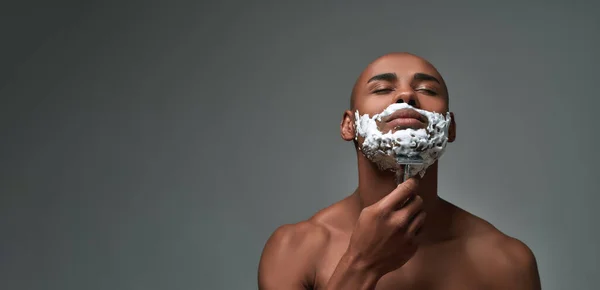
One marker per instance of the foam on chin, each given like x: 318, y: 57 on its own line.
x: 384, y: 148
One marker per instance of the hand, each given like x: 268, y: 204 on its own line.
x: 383, y: 239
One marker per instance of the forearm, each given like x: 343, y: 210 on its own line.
x: 351, y: 275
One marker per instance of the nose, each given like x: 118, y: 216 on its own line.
x: 407, y: 96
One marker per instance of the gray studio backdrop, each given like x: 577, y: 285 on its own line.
x: 156, y: 145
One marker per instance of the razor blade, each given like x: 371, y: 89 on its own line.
x: 407, y: 162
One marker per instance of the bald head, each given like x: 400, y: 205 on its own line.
x: 394, y: 68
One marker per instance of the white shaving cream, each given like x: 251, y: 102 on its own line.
x: 384, y: 149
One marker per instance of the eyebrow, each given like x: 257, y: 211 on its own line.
x: 425, y: 77
x: 392, y: 77
x: 383, y: 77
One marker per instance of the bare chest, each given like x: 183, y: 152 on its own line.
x: 431, y: 268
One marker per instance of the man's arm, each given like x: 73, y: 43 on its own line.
x: 289, y: 257
x: 382, y: 241
x: 352, y: 275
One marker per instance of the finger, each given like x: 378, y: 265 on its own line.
x: 403, y: 216
x: 416, y: 224
x: 405, y: 202
x: 399, y: 195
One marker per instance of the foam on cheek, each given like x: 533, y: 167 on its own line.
x: 383, y: 148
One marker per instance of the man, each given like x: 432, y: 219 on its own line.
x: 391, y: 233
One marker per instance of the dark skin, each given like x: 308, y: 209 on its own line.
x: 389, y: 236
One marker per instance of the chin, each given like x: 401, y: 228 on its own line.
x: 384, y: 162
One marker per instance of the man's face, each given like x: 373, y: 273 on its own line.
x: 396, y: 79
x: 398, y: 96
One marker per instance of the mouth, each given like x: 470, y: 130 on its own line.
x: 405, y: 119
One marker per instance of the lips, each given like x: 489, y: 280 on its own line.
x: 405, y: 118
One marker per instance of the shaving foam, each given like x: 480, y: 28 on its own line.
x: 385, y: 148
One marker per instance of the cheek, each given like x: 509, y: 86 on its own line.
x: 373, y: 105
x: 437, y: 105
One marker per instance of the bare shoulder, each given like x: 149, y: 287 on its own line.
x: 289, y: 256
x: 504, y: 261
x: 293, y: 251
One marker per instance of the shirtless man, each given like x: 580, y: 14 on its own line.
x: 390, y: 234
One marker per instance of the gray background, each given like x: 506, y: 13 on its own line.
x: 156, y: 145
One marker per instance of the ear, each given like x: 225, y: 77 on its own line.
x: 452, y: 129
x: 347, y: 129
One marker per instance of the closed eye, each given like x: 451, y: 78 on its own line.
x: 382, y: 91
x: 428, y: 91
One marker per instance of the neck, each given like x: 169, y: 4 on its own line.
x: 374, y: 184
